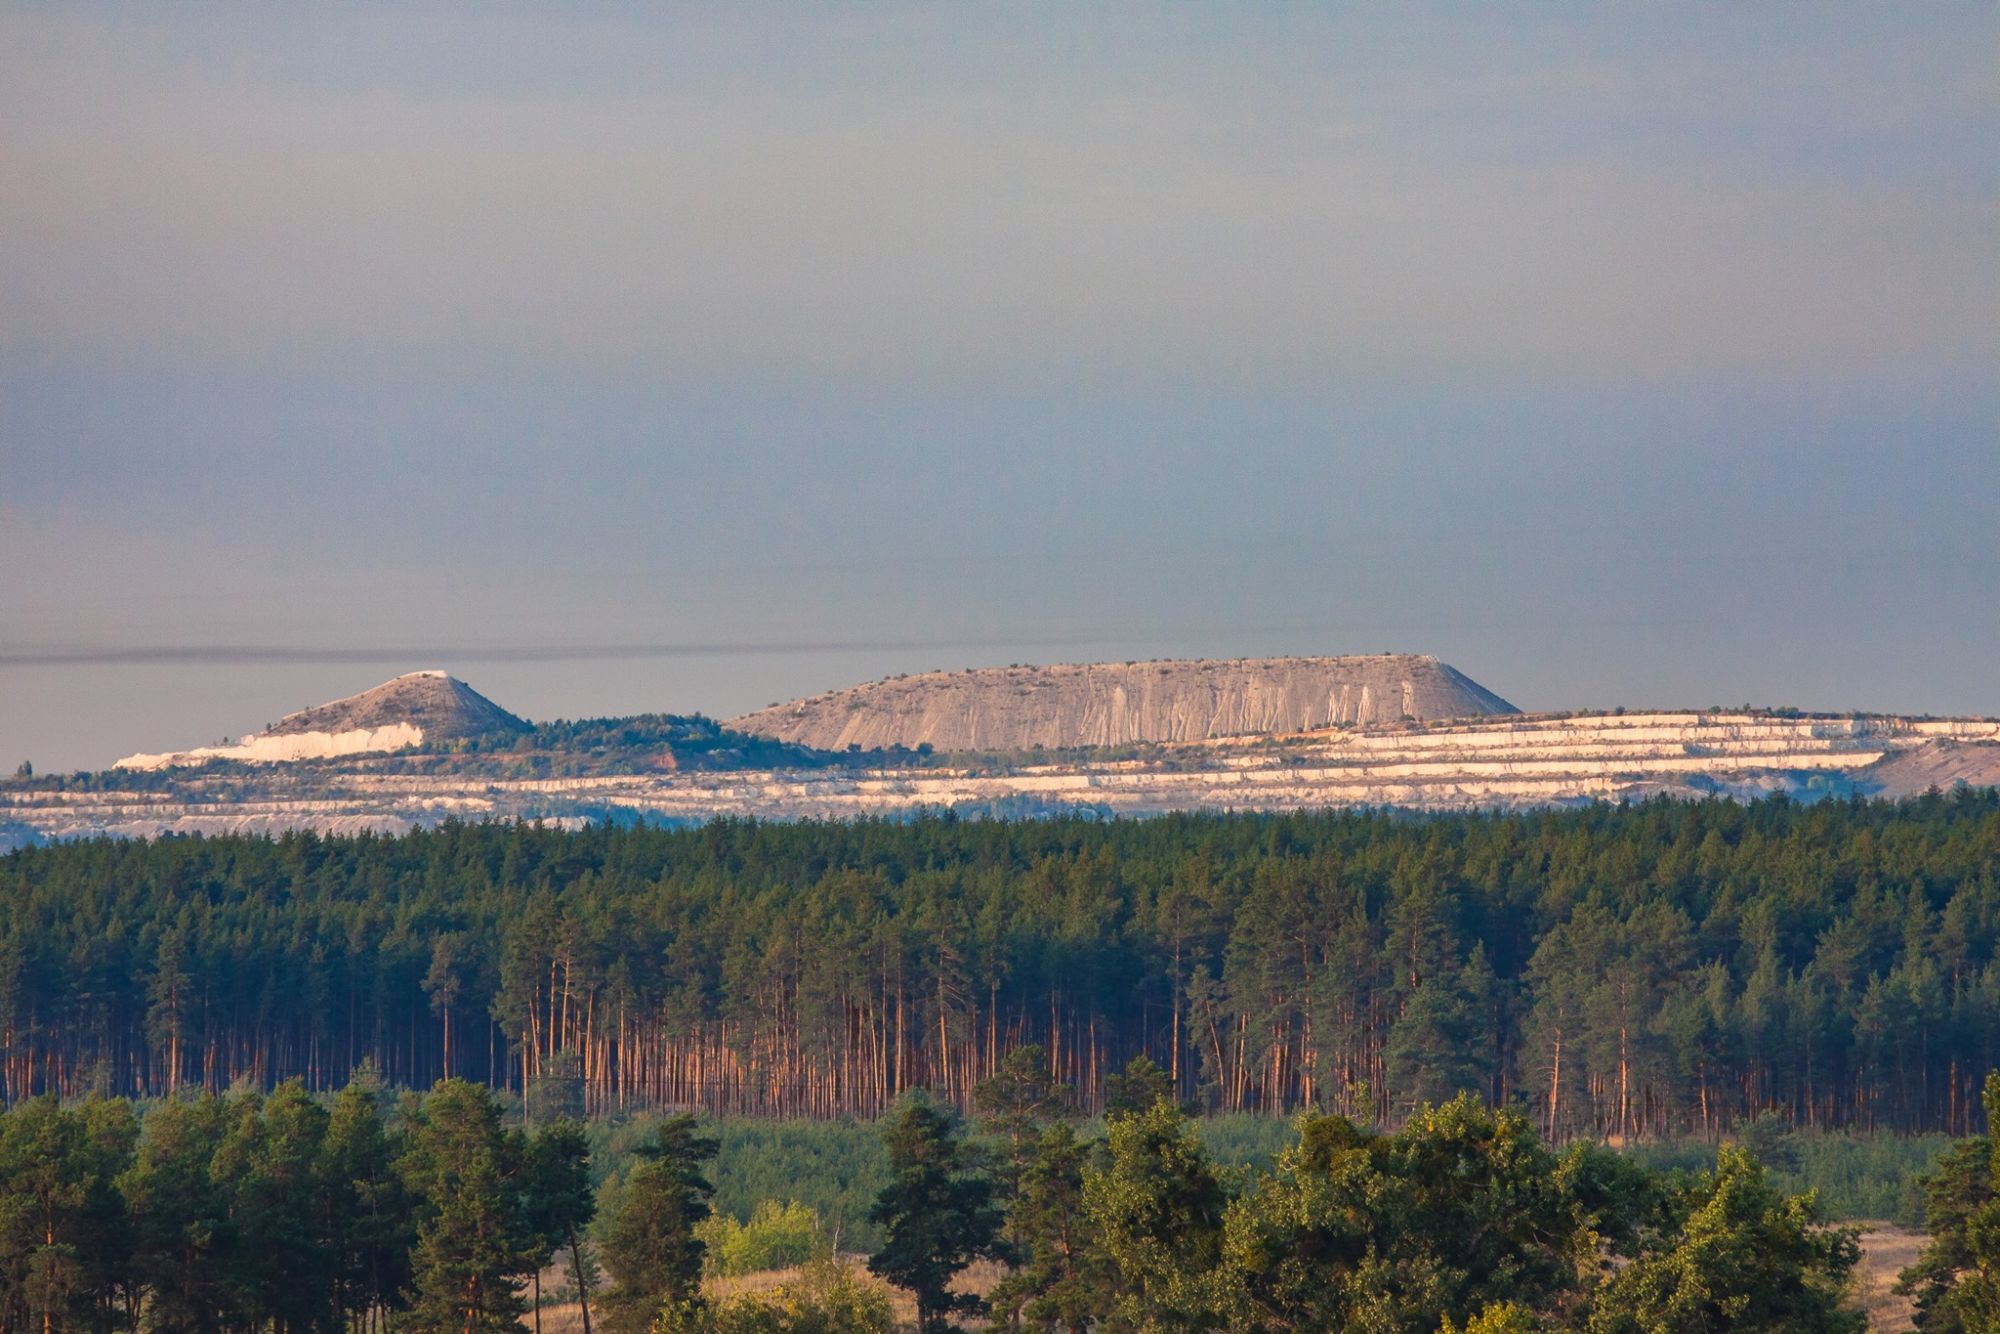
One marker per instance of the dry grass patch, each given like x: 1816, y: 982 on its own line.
x: 1886, y: 1251
x: 980, y: 1278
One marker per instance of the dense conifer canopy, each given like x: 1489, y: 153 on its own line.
x: 1647, y: 971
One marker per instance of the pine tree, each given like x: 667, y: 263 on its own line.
x: 281, y: 1265
x: 180, y: 1213
x: 63, y: 1246
x: 1137, y: 1087
x: 651, y: 1249
x: 560, y: 1203
x: 465, y: 1173
x: 370, y: 1230
x: 1435, y: 1049
x: 1957, y: 1278
x: 1061, y: 1281
x: 444, y: 983
x: 1013, y: 1102
x: 937, y: 1214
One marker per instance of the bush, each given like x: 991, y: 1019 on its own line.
x: 778, y: 1236
x: 829, y: 1298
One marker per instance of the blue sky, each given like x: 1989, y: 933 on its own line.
x: 1627, y: 354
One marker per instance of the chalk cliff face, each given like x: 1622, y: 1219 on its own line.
x: 1110, y: 704
x: 395, y: 714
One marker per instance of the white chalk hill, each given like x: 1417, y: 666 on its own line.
x: 408, y: 711
x: 1113, y: 704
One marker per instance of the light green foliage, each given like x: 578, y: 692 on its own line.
x: 778, y: 1236
x: 836, y: 1168
x: 1501, y: 1318
x: 827, y: 1298
x: 1855, y: 1175
x: 1460, y: 1209
x: 1240, y: 1144
x: 1736, y: 1255
x: 1155, y: 1210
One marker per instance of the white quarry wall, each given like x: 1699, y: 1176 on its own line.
x: 1512, y: 761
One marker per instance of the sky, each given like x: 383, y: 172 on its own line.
x: 688, y: 358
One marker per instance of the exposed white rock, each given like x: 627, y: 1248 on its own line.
x: 273, y: 748
x: 1503, y: 762
x: 1115, y: 704
x: 395, y: 714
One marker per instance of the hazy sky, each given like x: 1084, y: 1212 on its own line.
x: 1617, y: 354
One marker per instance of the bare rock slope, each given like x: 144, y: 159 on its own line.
x: 1111, y: 704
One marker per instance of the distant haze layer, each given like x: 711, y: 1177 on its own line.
x: 1637, y: 355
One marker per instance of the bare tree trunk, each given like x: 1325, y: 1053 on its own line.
x: 582, y: 1276
x: 1555, y: 1086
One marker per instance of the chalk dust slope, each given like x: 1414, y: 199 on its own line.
x: 1940, y: 764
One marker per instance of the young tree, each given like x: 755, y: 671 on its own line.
x: 937, y: 1214
x: 651, y: 1250
x: 557, y: 1092
x: 1137, y: 1087
x: 1012, y: 1103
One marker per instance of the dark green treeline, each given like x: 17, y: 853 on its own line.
x: 1656, y: 970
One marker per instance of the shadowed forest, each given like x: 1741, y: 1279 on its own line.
x: 1650, y: 972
